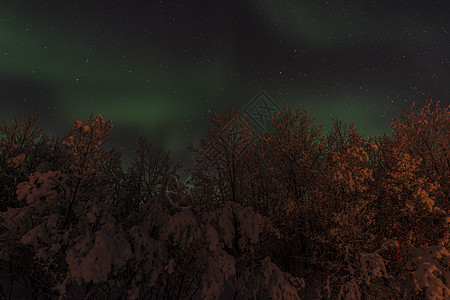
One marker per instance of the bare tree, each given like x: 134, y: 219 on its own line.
x: 221, y: 157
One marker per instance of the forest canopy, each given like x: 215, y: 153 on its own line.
x: 286, y: 214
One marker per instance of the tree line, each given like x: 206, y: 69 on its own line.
x: 285, y: 214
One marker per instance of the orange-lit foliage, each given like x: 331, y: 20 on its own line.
x: 84, y: 143
x: 411, y: 190
x: 347, y: 173
x: 425, y: 133
x: 327, y: 203
x: 66, y: 181
x: 344, y: 197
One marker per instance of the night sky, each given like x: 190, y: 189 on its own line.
x: 157, y: 68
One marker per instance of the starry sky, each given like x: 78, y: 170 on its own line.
x: 158, y: 68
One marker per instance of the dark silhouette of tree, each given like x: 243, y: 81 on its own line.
x: 295, y: 149
x: 220, y: 169
x: 149, y: 175
x: 21, y: 150
x: 261, y: 187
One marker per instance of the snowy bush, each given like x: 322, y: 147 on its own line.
x: 427, y: 272
x: 266, y: 281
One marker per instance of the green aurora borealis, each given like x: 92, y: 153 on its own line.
x: 156, y: 68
